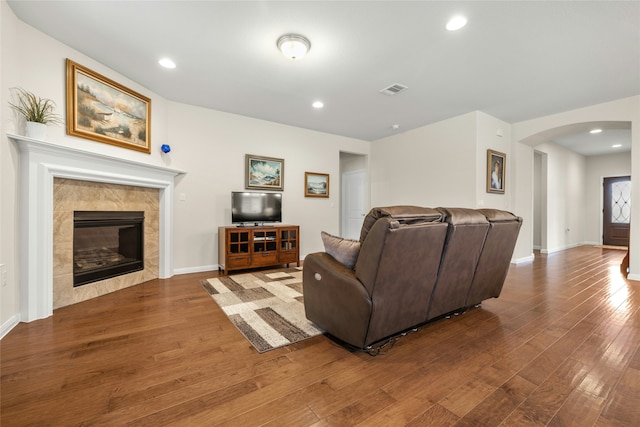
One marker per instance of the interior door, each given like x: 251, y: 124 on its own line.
x: 616, y: 211
x: 353, y: 203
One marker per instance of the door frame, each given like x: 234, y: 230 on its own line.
x: 343, y: 183
x: 602, y: 204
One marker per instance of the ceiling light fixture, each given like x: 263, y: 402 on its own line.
x: 293, y: 46
x: 318, y: 104
x: 456, y: 23
x: 167, y: 63
x: 595, y: 131
x: 616, y: 146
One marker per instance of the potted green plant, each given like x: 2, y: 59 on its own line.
x: 38, y: 112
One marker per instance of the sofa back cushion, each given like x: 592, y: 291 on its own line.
x: 398, y: 265
x: 467, y: 229
x: 495, y: 259
x: 405, y: 214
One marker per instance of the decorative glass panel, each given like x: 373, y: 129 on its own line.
x: 621, y: 202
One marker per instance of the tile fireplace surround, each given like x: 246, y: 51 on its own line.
x: 70, y: 195
x: 40, y: 163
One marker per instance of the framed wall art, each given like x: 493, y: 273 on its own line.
x: 316, y: 184
x: 102, y: 110
x: 496, y: 163
x: 264, y: 173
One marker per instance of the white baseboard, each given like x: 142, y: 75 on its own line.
x: 523, y: 259
x: 198, y: 269
x: 559, y: 249
x: 9, y: 325
x: 574, y: 245
x: 634, y: 277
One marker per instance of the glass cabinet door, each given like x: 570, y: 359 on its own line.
x: 288, y: 239
x: 264, y: 241
x: 239, y: 242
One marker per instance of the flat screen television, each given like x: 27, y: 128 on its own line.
x: 255, y: 208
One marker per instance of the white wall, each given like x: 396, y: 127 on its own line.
x: 352, y: 162
x: 445, y: 164
x: 565, y: 195
x: 442, y: 164
x: 432, y: 166
x: 488, y: 138
x: 8, y: 166
x: 538, y: 194
x: 522, y: 198
x: 211, y: 146
x: 598, y: 168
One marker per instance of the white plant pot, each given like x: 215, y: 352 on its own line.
x: 36, y: 130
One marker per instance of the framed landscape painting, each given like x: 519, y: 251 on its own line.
x: 316, y: 184
x: 105, y: 111
x: 496, y: 163
x: 264, y: 173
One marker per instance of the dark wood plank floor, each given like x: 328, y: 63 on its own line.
x: 560, y: 347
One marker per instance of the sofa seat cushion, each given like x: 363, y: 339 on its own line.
x: 343, y: 250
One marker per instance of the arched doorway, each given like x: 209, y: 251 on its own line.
x: 569, y: 167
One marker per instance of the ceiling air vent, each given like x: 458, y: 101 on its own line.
x: 393, y: 89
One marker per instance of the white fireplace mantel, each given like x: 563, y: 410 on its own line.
x: 40, y: 163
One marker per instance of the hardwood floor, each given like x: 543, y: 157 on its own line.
x: 560, y: 347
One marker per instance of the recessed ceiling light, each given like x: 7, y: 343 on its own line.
x: 167, y: 63
x: 456, y: 23
x: 595, y: 131
x: 616, y: 146
x: 318, y: 104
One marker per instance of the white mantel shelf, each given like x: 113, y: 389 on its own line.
x: 40, y: 163
x: 23, y: 141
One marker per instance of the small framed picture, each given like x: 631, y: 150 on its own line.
x: 264, y: 173
x: 316, y: 184
x: 496, y: 163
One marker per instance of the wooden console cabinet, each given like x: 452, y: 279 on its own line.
x: 250, y: 247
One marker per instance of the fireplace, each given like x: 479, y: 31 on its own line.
x: 43, y: 227
x: 106, y: 244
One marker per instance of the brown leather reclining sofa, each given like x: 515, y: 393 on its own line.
x: 414, y: 264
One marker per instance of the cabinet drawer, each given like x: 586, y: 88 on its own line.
x: 264, y: 258
x: 287, y: 257
x: 238, y: 262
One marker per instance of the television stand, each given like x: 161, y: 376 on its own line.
x: 244, y: 247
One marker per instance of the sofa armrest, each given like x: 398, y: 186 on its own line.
x: 334, y: 299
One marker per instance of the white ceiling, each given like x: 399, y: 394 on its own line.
x: 614, y: 138
x: 514, y: 60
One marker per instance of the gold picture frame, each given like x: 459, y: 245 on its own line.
x: 316, y: 184
x: 103, y: 110
x: 496, y: 165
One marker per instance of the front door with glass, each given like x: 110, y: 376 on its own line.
x: 617, y: 211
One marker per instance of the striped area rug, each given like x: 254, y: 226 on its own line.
x: 266, y: 307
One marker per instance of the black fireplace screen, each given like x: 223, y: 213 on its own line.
x: 106, y: 244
